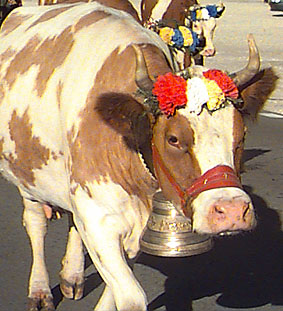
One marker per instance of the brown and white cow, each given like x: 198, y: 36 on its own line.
x: 177, y: 12
x: 81, y: 132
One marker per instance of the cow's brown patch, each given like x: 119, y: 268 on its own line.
x: 56, y: 156
x: 69, y: 1
x: 179, y: 158
x: 59, y: 93
x: 1, y: 147
x: 238, y: 140
x: 89, y: 19
x: 48, y: 55
x: 48, y: 61
x: 2, y: 93
x: 30, y: 154
x: 5, y: 56
x: 98, y: 150
x: 50, y: 15
x: 147, y: 7
x: 21, y: 62
x: 122, y: 5
x: 13, y: 21
x: 177, y: 10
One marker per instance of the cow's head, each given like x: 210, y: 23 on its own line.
x: 191, y: 132
x: 202, y: 20
x: 198, y: 138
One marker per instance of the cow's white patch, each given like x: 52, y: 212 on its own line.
x: 213, y: 145
x: 137, y: 6
x: 126, y: 215
x: 197, y: 95
x: 213, y: 136
x: 159, y: 9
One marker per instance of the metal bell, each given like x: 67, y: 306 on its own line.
x: 169, y: 234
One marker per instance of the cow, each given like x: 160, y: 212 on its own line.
x: 200, y: 18
x: 98, y: 127
x: 155, y: 15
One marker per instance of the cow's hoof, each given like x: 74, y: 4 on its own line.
x: 72, y: 290
x: 41, y: 304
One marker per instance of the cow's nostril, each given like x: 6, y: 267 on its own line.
x: 219, y: 210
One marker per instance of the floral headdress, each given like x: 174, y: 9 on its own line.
x: 174, y: 92
x: 197, y: 13
x: 180, y: 37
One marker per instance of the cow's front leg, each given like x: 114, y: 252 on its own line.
x: 102, y: 237
x: 72, y: 273
x: 106, y: 301
x: 34, y: 220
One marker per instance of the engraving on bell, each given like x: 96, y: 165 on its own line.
x: 169, y: 234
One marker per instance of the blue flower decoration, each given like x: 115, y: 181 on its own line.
x: 193, y: 16
x: 195, y: 43
x: 212, y: 10
x: 178, y: 38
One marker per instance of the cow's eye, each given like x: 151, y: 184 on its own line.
x: 173, y: 140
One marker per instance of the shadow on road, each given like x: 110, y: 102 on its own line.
x: 246, y: 270
x: 251, y: 153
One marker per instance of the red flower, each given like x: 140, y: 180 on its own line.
x: 226, y: 84
x: 170, y: 91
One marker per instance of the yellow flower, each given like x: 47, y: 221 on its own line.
x: 187, y: 35
x: 216, y: 96
x: 198, y: 14
x: 166, y: 33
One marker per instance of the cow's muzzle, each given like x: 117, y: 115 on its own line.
x: 221, y: 176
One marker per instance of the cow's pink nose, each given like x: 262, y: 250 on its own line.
x: 208, y: 52
x: 232, y: 215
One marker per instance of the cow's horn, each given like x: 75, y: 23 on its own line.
x: 245, y: 75
x: 142, y: 78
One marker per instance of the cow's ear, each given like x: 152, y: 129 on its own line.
x: 127, y: 117
x: 220, y: 9
x: 257, y: 92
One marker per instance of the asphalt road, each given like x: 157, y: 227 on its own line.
x: 240, y: 18
x: 239, y: 273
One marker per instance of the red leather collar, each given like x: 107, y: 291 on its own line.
x: 218, y: 177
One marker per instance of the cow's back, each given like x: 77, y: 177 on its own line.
x: 47, y: 73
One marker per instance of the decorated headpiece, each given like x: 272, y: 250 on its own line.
x: 178, y: 37
x: 212, y: 89
x: 181, y: 37
x: 197, y: 13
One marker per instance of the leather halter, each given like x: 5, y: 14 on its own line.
x: 219, y: 176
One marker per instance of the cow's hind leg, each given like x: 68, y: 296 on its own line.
x: 72, y: 273
x: 34, y: 219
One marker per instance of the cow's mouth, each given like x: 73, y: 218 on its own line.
x: 228, y: 233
